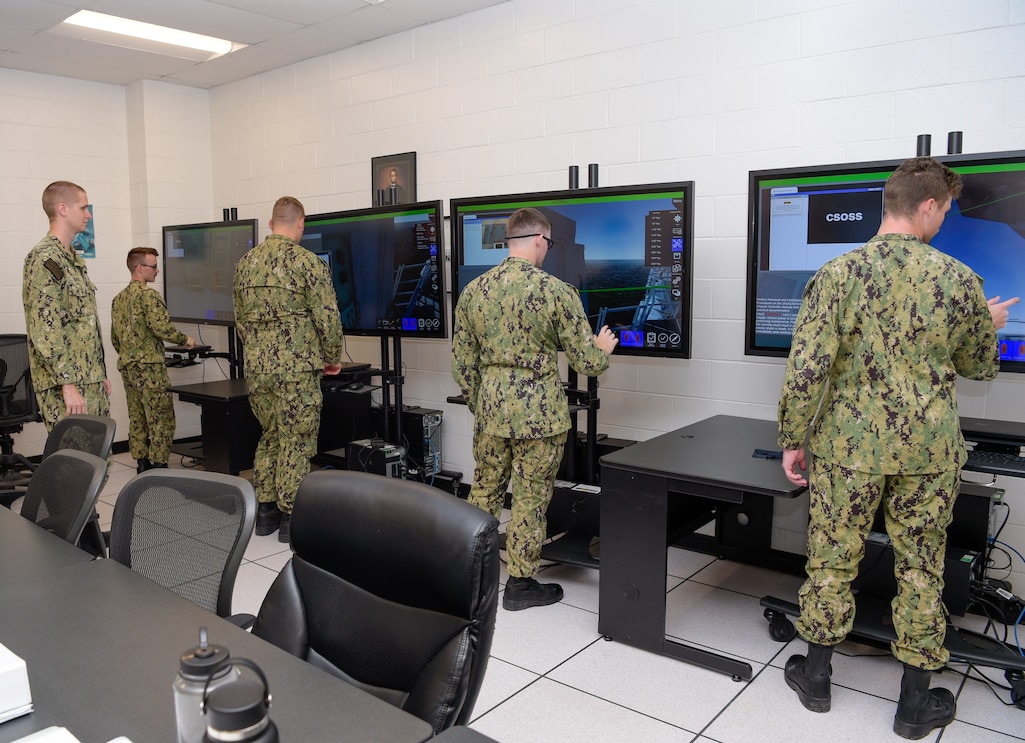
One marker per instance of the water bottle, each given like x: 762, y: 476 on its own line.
x: 238, y: 711
x: 199, y: 668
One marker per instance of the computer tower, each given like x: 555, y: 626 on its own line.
x: 421, y: 435
x: 376, y: 456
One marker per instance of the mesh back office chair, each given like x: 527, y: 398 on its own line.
x: 187, y: 531
x: 93, y: 434
x: 62, y: 494
x: 393, y: 587
x: 18, y: 406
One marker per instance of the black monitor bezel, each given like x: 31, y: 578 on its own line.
x: 189, y: 319
x: 756, y: 177
x: 578, y: 194
x: 441, y: 333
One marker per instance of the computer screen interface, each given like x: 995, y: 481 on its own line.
x: 628, y: 250
x: 386, y: 268
x: 802, y: 217
x: 199, y: 269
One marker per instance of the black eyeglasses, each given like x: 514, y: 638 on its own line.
x: 550, y: 241
x: 146, y: 265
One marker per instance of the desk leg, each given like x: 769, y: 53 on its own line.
x: 632, y: 578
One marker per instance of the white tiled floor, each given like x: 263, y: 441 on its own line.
x: 553, y: 678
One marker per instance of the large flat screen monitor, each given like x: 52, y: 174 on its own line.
x: 199, y: 269
x: 627, y: 249
x: 799, y: 218
x: 386, y: 267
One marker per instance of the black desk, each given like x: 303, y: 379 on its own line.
x: 231, y: 431
x: 30, y: 551
x: 659, y: 490
x: 102, y: 646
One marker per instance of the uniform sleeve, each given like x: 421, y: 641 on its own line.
x: 115, y: 335
x: 575, y: 336
x: 978, y: 356
x: 157, y: 319
x: 465, y: 355
x: 814, y: 347
x: 238, y: 300
x: 45, y: 322
x: 324, y: 312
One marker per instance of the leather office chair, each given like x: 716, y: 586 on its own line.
x: 62, y: 494
x: 393, y: 587
x: 18, y: 406
x: 186, y: 530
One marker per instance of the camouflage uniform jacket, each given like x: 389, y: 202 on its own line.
x: 285, y: 309
x: 508, y: 324
x: 63, y: 326
x: 139, y: 324
x: 888, y: 328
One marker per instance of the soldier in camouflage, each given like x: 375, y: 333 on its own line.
x: 61, y: 319
x: 139, y: 324
x: 882, y: 335
x: 508, y: 325
x: 287, y: 317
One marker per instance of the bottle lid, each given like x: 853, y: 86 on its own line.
x: 203, y: 660
x: 240, y: 706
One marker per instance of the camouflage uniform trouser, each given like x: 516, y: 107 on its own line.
x: 288, y: 409
x: 150, y: 411
x: 917, y: 509
x: 52, y: 407
x: 531, y: 464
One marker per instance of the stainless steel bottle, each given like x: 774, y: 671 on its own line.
x: 239, y: 711
x: 202, y: 667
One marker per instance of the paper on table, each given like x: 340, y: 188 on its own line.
x: 50, y: 735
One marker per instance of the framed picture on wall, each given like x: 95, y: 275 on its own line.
x: 394, y: 178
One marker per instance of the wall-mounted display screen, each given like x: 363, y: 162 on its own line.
x: 627, y: 249
x: 199, y: 269
x: 799, y: 218
x: 386, y: 267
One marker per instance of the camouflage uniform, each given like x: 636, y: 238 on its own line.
x: 287, y: 317
x: 139, y: 324
x: 508, y: 324
x: 883, y: 333
x: 63, y: 330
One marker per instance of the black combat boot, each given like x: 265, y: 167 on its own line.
x: 523, y: 593
x: 285, y: 529
x: 809, y: 677
x: 921, y: 709
x: 144, y: 464
x: 268, y: 518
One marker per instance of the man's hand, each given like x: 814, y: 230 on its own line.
x: 998, y: 309
x: 606, y: 339
x: 74, y: 403
x: 794, y: 459
x: 332, y: 370
x: 190, y: 342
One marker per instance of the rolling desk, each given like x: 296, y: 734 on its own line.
x: 659, y: 490
x: 102, y: 645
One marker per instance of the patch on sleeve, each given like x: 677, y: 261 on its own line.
x: 53, y: 268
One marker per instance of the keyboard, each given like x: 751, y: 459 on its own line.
x: 996, y: 463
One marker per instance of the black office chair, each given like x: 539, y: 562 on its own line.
x: 393, y: 587
x: 18, y: 406
x: 186, y: 530
x: 89, y: 433
x: 62, y: 494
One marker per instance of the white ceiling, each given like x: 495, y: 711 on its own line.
x: 278, y: 32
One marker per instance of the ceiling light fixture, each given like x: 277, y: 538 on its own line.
x: 152, y: 32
